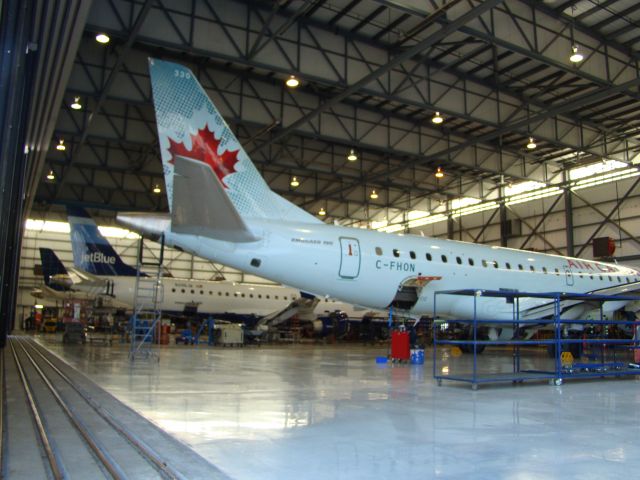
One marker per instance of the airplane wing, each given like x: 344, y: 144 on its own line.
x: 574, y: 307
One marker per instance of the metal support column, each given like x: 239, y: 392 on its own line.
x: 503, y: 225
x: 568, y: 219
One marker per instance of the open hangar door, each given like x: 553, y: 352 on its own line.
x: 38, y: 41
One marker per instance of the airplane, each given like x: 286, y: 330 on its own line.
x: 95, y: 258
x: 58, y: 281
x: 222, y: 209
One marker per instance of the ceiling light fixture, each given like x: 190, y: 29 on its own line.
x: 294, y: 182
x: 61, y: 146
x: 157, y: 189
x: 531, y: 145
x: 322, y: 212
x: 102, y: 38
x: 373, y: 195
x: 292, y: 82
x: 352, y: 157
x: 439, y: 173
x: 76, y: 104
x: 575, y: 57
x: 51, y: 176
x: 437, y: 119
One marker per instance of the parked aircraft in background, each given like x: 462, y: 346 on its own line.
x: 59, y: 282
x: 94, y: 256
x: 222, y: 209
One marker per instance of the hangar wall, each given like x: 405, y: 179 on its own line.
x: 597, y: 212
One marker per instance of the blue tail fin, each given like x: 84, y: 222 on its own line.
x: 91, y: 251
x: 52, y: 267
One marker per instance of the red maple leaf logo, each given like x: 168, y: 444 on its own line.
x: 204, y: 147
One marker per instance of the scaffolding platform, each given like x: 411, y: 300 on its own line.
x: 147, y: 297
x: 606, y: 356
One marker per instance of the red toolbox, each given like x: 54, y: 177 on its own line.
x: 400, y: 346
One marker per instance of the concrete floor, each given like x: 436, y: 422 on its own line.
x: 331, y: 412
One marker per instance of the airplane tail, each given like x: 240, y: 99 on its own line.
x: 91, y: 251
x: 212, y: 186
x: 52, y: 268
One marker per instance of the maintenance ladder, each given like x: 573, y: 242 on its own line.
x: 147, y: 296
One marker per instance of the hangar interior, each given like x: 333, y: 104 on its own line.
x: 457, y: 119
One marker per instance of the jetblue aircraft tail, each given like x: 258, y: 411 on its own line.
x: 52, y: 268
x: 91, y: 251
x: 212, y: 185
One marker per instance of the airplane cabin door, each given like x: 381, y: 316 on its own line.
x: 349, y: 257
x: 568, y: 276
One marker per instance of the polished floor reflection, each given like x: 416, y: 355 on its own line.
x: 318, y: 412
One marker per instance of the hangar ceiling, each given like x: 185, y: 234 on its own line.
x: 373, y: 74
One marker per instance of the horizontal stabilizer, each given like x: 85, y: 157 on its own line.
x: 201, y: 207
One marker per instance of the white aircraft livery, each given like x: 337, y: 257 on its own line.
x: 99, y: 268
x: 222, y: 209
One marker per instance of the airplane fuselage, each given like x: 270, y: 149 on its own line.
x: 369, y: 268
x: 240, y: 299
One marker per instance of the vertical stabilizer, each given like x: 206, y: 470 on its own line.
x: 91, y: 251
x: 190, y: 126
x: 52, y: 268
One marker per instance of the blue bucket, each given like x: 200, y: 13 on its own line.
x: 417, y: 356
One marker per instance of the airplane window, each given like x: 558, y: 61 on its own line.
x: 429, y: 256
x: 591, y: 277
x: 285, y: 297
x: 378, y: 251
x: 557, y: 271
x: 173, y: 290
x: 544, y: 270
x: 242, y: 295
x: 471, y: 262
x: 219, y: 294
x: 268, y: 297
x: 210, y: 292
x: 182, y: 290
x: 495, y: 264
x: 520, y: 267
x: 235, y: 294
x: 618, y: 279
x: 276, y: 297
x: 227, y: 294
x: 396, y: 252
x: 412, y: 255
x: 201, y: 292
x: 627, y: 279
x: 484, y: 263
x: 444, y: 258
x: 609, y: 277
x: 459, y: 260
x: 532, y: 268
x: 601, y: 277
x: 259, y: 295
x: 192, y: 291
x: 251, y: 295
x: 508, y: 265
